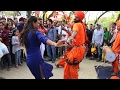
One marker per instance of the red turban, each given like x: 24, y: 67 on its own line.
x: 118, y: 23
x: 80, y: 14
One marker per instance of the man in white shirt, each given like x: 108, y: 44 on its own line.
x: 113, y: 33
x: 62, y: 36
x: 97, y: 38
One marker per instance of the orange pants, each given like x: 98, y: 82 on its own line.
x: 61, y: 62
x: 70, y: 71
x: 115, y: 65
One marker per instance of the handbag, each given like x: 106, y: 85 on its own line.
x: 3, y: 49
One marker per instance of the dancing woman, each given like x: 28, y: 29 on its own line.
x: 31, y: 38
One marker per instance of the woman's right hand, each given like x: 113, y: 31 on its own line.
x: 60, y: 43
x: 70, y: 41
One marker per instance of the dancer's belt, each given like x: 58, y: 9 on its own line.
x: 70, y: 63
x: 75, y: 62
x: 78, y: 45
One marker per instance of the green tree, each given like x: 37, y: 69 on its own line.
x: 104, y: 21
x: 117, y: 15
x: 9, y: 13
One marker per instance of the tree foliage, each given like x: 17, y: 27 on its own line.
x: 106, y: 21
x: 100, y: 16
x: 9, y: 13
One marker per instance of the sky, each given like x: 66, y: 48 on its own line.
x: 91, y: 15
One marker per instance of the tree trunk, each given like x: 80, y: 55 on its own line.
x: 100, y: 16
x: 44, y: 16
x: 17, y: 13
x: 50, y: 14
x: 118, y: 18
x: 86, y: 12
x: 85, y: 20
x: 64, y: 15
x: 28, y: 13
x: 88, y: 17
x: 71, y: 13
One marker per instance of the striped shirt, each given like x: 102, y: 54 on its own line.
x: 10, y: 35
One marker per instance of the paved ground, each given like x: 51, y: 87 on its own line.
x: 87, y: 71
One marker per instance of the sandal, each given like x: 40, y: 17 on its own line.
x: 57, y: 65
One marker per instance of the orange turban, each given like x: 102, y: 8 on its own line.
x: 118, y: 23
x: 80, y: 14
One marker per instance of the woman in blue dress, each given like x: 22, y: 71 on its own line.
x: 31, y: 38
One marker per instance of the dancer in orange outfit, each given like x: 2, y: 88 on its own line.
x: 77, y: 41
x: 116, y: 50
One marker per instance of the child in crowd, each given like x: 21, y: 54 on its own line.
x: 103, y: 53
x: 16, y: 48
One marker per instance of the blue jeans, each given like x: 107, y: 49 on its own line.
x: 51, y: 55
x: 8, y: 57
x: 99, y: 51
x: 18, y: 57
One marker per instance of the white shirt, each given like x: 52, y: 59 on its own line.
x: 15, y: 46
x: 114, y: 32
x: 61, y: 32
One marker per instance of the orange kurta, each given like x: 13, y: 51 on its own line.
x: 116, y: 49
x: 71, y: 71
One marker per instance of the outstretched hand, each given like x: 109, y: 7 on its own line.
x: 61, y: 43
x: 70, y: 41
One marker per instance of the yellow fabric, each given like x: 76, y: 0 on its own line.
x: 103, y: 57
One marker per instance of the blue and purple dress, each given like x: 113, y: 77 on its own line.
x: 34, y: 59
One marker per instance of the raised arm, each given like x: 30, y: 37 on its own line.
x: 45, y: 40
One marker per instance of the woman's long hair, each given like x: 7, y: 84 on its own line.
x: 6, y: 26
x: 29, y: 28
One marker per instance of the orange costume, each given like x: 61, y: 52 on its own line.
x: 116, y: 50
x: 76, y: 54
x: 114, y: 77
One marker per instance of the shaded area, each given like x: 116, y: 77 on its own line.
x: 104, y: 72
x: 2, y: 78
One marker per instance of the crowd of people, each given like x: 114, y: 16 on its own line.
x: 56, y: 39
x: 9, y: 35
